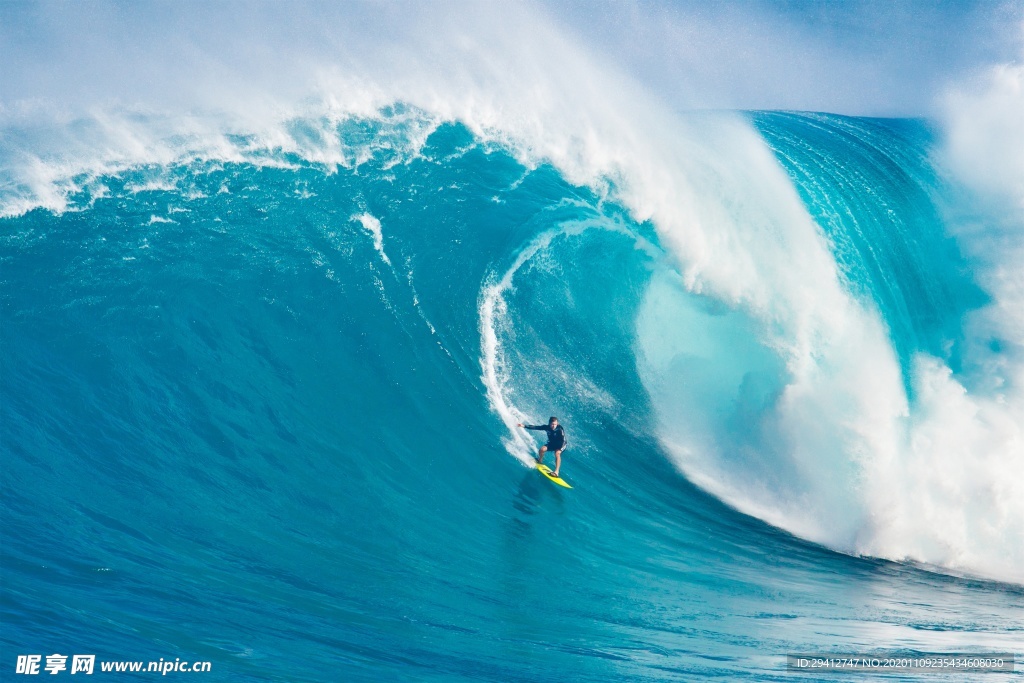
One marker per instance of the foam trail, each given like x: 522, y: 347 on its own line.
x: 372, y: 226
x: 492, y: 311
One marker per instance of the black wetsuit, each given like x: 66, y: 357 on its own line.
x: 556, y: 436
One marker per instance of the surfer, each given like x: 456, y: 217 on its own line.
x: 556, y: 441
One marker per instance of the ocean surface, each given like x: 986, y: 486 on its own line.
x: 259, y: 404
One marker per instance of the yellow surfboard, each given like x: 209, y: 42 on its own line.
x: 546, y: 471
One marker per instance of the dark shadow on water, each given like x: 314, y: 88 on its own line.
x: 524, y: 555
x: 534, y: 502
x: 528, y: 496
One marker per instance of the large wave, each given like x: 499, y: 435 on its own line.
x: 825, y: 313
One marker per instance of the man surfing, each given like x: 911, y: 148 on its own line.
x: 556, y: 441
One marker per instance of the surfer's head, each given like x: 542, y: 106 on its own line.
x: 553, y: 422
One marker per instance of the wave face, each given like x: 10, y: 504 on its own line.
x: 259, y: 409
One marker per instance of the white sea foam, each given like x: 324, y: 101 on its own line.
x: 954, y: 494
x: 939, y: 479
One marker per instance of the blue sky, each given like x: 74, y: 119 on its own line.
x: 871, y: 58
x: 846, y: 56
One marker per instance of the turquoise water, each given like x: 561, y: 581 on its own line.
x: 256, y: 412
